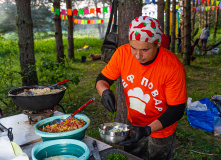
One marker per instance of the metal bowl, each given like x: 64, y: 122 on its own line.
x: 38, y: 102
x: 107, y: 134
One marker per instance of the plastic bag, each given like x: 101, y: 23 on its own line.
x: 200, y: 114
x: 197, y: 105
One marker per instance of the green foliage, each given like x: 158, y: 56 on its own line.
x: 116, y: 156
x: 51, y: 72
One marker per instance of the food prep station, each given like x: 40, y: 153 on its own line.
x: 24, y: 135
x: 40, y: 108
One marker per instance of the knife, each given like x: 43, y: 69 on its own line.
x: 95, y: 151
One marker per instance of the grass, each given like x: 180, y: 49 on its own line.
x: 203, y: 81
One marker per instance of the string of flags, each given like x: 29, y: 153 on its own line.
x: 85, y: 11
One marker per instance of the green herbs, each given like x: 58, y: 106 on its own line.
x: 113, y: 115
x: 116, y: 156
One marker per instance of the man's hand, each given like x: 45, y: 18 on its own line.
x: 140, y: 132
x: 108, y: 100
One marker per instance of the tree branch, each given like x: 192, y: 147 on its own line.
x: 204, y: 153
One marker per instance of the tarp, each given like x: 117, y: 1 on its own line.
x: 203, y: 119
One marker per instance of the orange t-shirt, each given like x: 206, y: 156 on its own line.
x: 149, y: 88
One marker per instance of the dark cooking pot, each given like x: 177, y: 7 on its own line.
x: 38, y: 102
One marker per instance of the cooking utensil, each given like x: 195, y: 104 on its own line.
x: 51, y: 86
x: 78, y: 133
x: 59, y: 83
x: 6, y: 131
x: 56, y: 121
x: 95, y: 151
x: 114, y: 132
x: 37, y: 102
x: 68, y: 148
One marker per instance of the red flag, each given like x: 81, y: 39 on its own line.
x: 193, y: 9
x: 203, y: 1
x: 179, y: 5
x: 98, y: 10
x: 217, y: 7
x: 88, y: 21
x: 75, y: 12
x: 102, y: 21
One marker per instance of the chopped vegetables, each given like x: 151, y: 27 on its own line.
x: 116, y: 156
x: 69, y: 125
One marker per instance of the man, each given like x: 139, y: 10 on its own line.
x: 205, y: 33
x: 179, y: 36
x: 154, y: 84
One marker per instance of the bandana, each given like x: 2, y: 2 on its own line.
x: 144, y: 28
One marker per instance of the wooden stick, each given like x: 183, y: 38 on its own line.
x: 204, y: 153
x: 31, y: 142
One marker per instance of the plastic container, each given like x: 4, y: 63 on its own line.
x: 75, y: 134
x: 68, y: 148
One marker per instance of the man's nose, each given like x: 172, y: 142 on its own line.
x: 138, y: 54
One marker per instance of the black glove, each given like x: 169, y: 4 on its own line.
x: 140, y: 132
x: 108, y: 100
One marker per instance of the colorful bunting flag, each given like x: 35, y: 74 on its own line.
x: 81, y: 12
x: 203, y: 1
x: 153, y: 1
x: 63, y: 12
x: 213, y: 7
x: 75, y: 12
x: 217, y: 7
x: 202, y: 8
x: 217, y: 3
x: 194, y: 9
x: 57, y: 12
x: 105, y: 10
x: 98, y: 10
x: 147, y: 2
x: 86, y: 11
x: 92, y: 11
x: 52, y: 9
x: 212, y: 1
x: 198, y: 1
x: 209, y: 8
x: 69, y: 12
x: 110, y: 9
x: 208, y: 2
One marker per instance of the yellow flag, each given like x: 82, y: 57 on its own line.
x: 52, y: 9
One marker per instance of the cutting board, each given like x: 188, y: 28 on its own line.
x: 104, y: 154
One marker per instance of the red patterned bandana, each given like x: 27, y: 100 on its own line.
x: 144, y: 28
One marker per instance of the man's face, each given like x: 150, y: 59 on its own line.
x: 143, y: 51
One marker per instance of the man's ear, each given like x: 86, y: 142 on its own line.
x: 159, y: 44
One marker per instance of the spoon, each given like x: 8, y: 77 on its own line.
x: 56, y: 121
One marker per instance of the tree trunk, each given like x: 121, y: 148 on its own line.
x: 193, y: 16
x: 160, y: 13
x: 26, y: 43
x: 205, y: 15
x: 167, y: 25
x: 200, y: 18
x: 70, y: 32
x: 128, y: 10
x: 173, y: 38
x: 216, y: 23
x: 58, y: 34
x: 187, y: 34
